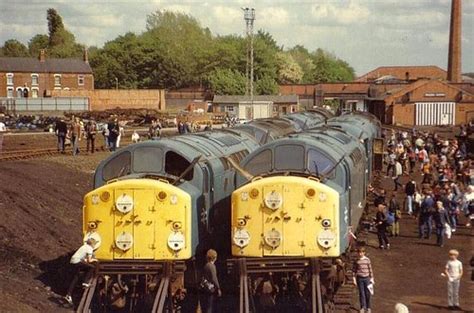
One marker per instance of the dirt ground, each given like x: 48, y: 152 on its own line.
x: 410, y: 272
x: 41, y: 202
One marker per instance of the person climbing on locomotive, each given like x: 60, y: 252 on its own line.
x: 82, y: 260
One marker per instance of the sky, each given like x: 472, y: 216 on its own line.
x: 365, y: 33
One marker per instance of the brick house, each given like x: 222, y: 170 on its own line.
x: 38, y: 77
x: 280, y: 104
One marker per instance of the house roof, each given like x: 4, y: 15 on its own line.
x: 50, y: 65
x: 400, y: 72
x: 343, y: 88
x: 272, y: 98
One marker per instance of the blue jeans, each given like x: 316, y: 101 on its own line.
x: 425, y: 228
x: 208, y: 303
x: 364, y: 293
x: 410, y: 204
x: 440, y: 235
x: 61, y: 141
x: 453, y: 220
x: 112, y: 144
x: 75, y: 144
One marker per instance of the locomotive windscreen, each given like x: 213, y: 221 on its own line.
x: 147, y: 160
x: 118, y: 166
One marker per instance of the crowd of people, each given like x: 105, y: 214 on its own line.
x: 438, y: 192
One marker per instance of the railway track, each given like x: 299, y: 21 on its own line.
x: 22, y: 154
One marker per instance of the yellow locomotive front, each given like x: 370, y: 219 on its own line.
x: 139, y: 219
x: 285, y: 216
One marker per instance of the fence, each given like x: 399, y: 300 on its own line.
x: 44, y: 104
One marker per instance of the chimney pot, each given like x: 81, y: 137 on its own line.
x: 42, y: 55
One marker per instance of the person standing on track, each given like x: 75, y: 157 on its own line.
x: 453, y: 272
x: 91, y: 130
x: 76, y: 133
x: 61, y: 131
x: 209, y: 273
x: 114, y: 131
x: 381, y: 225
x: 363, y: 279
x: 441, y: 219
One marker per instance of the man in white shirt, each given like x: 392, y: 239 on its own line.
x: 453, y: 272
x: 3, y: 129
x: 82, y: 259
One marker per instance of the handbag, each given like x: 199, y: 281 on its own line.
x: 207, y: 286
x: 447, y: 230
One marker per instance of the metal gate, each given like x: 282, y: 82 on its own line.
x: 435, y: 113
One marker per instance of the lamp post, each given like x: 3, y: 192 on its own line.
x: 249, y: 17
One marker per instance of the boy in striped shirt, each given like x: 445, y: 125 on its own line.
x: 363, y: 278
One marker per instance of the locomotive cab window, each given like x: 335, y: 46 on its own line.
x: 147, y: 160
x: 319, y: 163
x: 176, y: 164
x: 289, y: 157
x: 118, y: 166
x: 261, y: 163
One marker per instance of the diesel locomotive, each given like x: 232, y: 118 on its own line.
x: 296, y: 210
x: 158, y: 205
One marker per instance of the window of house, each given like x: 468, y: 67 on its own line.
x: 57, y: 80
x: 80, y: 80
x: 229, y: 108
x: 34, y: 79
x: 34, y: 92
x: 10, y: 92
x: 9, y: 79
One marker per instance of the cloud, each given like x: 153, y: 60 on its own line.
x: 366, y: 33
x: 340, y: 13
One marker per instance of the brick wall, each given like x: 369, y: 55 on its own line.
x: 45, y: 82
x: 104, y: 99
x: 404, y: 114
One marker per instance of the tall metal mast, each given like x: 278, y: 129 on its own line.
x: 249, y: 17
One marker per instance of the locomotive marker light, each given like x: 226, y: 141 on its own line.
x: 176, y: 241
x: 124, y: 241
x: 273, y: 200
x: 95, y: 199
x: 173, y: 199
x: 272, y: 238
x: 326, y: 238
x: 105, y: 196
x: 124, y: 203
x: 241, y: 238
x: 326, y: 223
x: 322, y: 197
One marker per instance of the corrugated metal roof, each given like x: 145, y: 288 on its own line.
x: 50, y: 65
x: 272, y: 98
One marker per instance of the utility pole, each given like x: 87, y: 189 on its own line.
x: 249, y: 17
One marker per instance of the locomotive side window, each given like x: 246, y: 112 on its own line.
x: 147, y: 160
x: 176, y: 164
x: 318, y: 163
x: 289, y: 157
x: 118, y: 166
x: 261, y: 163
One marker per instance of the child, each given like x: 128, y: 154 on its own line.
x: 363, y: 278
x: 453, y: 272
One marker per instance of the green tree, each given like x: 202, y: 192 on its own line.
x: 226, y: 82
x: 62, y: 43
x: 14, y: 48
x: 266, y: 86
x: 302, y: 56
x: 289, y: 71
x: 37, y: 43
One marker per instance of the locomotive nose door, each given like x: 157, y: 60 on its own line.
x: 134, y: 226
